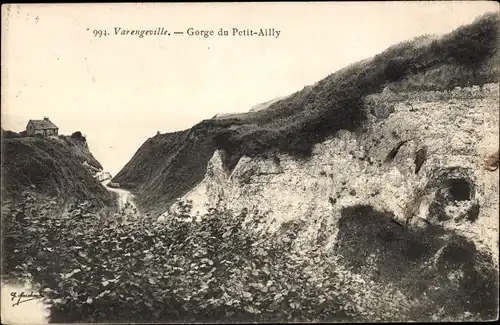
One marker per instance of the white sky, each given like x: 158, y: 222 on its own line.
x: 120, y: 90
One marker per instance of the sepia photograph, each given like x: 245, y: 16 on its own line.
x: 244, y: 162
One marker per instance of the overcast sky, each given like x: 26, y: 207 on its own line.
x: 120, y: 90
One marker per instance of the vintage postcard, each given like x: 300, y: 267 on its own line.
x: 250, y: 162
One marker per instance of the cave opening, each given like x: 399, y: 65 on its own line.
x: 460, y: 190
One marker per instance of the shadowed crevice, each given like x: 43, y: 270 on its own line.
x: 439, y: 263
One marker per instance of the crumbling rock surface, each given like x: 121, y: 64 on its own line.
x: 387, y: 222
x: 452, y: 187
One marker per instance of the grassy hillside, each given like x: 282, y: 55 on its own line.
x: 168, y: 165
x: 48, y: 167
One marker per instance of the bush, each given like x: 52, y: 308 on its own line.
x: 221, y: 266
x: 78, y: 136
x: 129, y: 269
x: 395, y: 69
x: 6, y: 134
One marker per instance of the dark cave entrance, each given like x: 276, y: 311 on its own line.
x: 460, y: 190
x: 453, y: 185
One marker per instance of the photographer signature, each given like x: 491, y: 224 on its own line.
x: 21, y: 297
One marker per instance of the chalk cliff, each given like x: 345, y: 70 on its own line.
x: 424, y: 216
x: 375, y: 173
x: 349, y: 169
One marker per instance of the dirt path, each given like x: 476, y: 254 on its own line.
x: 124, y: 196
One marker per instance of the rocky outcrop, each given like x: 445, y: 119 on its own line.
x: 80, y: 148
x: 347, y: 170
x: 492, y: 162
x: 348, y: 181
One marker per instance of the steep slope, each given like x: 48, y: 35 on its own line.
x: 167, y: 166
x: 78, y: 145
x: 51, y: 168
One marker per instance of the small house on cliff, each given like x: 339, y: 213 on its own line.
x: 44, y: 127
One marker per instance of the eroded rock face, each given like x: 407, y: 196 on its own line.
x: 418, y: 226
x: 454, y: 195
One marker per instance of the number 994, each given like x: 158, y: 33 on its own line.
x: 100, y: 33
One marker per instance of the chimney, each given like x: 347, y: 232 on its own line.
x: 45, y: 118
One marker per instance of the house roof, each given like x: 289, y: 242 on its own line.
x: 43, y: 124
